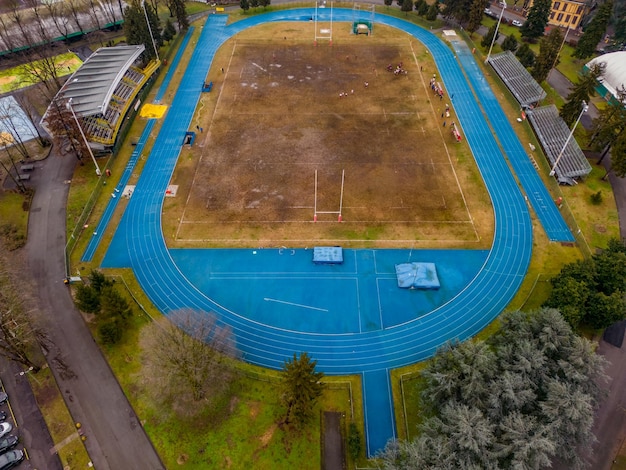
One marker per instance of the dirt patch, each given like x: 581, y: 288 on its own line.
x: 255, y: 408
x: 299, y: 131
x: 268, y: 434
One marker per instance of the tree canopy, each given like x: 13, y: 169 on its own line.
x: 582, y: 91
x: 185, y: 354
x: 591, y: 292
x: 536, y: 21
x: 594, y: 31
x: 548, y: 54
x: 137, y: 31
x: 525, y: 55
x: 302, y: 387
x: 516, y: 400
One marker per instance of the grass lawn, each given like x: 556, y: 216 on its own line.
x: 19, y: 77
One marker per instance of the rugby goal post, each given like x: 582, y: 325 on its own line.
x: 339, y: 212
x: 323, y: 26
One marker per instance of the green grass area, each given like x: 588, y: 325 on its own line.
x: 238, y: 431
x: 14, y: 218
x: 17, y: 77
x: 60, y: 424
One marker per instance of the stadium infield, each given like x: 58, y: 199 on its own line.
x: 283, y: 110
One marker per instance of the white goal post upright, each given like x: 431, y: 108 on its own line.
x: 339, y: 212
x: 322, y: 32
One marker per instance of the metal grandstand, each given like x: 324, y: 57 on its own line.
x: 518, y: 80
x: 102, y: 91
x: 553, y: 134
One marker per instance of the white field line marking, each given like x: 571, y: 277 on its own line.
x: 456, y: 177
x: 259, y: 67
x: 294, y: 305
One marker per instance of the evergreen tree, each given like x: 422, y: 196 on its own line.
x: 169, y: 32
x: 618, y: 156
x: 433, y: 11
x: 536, y: 21
x: 594, y: 31
x: 509, y: 43
x: 387, y: 2
x: 488, y: 38
x: 181, y: 14
x: 458, y: 9
x: 87, y: 299
x: 137, y: 31
x: 582, y: 91
x: 591, y: 292
x: 113, y: 305
x: 265, y: 3
x: 422, y: 10
x: 407, y: 5
x: 548, y: 53
x: 254, y: 3
x: 301, y: 388
x: 525, y: 55
x: 476, y: 15
x: 609, y: 126
x: 244, y: 4
x: 513, y: 402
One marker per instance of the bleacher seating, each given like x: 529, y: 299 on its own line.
x: 102, y: 127
x: 552, y: 132
x: 517, y: 79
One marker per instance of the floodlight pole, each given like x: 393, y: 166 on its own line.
x: 558, y: 159
x: 495, y: 34
x: 145, y: 12
x: 69, y: 106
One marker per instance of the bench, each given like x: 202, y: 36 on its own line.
x: 27, y: 167
x: 23, y: 177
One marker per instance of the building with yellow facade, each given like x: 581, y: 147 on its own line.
x: 567, y: 13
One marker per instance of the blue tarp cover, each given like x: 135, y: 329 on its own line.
x: 417, y: 276
x: 328, y: 255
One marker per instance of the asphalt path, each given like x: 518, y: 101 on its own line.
x: 115, y: 437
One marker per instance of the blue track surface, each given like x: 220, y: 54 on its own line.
x: 354, y: 329
x: 96, y: 236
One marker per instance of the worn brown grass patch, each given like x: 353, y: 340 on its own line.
x: 276, y: 117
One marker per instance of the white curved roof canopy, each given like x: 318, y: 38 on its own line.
x: 615, y: 74
x: 92, y: 85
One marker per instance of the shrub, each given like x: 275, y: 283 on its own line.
x: 354, y: 441
x: 596, y: 198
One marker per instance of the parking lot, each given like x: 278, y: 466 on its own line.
x: 24, y: 416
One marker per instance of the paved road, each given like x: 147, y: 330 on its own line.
x: 115, y: 438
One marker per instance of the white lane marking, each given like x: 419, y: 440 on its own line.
x: 294, y: 305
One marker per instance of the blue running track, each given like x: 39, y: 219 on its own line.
x: 96, y: 236
x: 351, y: 318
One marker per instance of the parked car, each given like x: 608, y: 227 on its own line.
x: 517, y: 23
x: 5, y: 428
x: 488, y: 12
x: 3, y: 398
x: 8, y: 443
x: 3, y: 415
x: 11, y: 459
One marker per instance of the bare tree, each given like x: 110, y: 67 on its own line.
x: 64, y: 129
x: 32, y: 115
x: 185, y: 355
x: 18, y: 338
